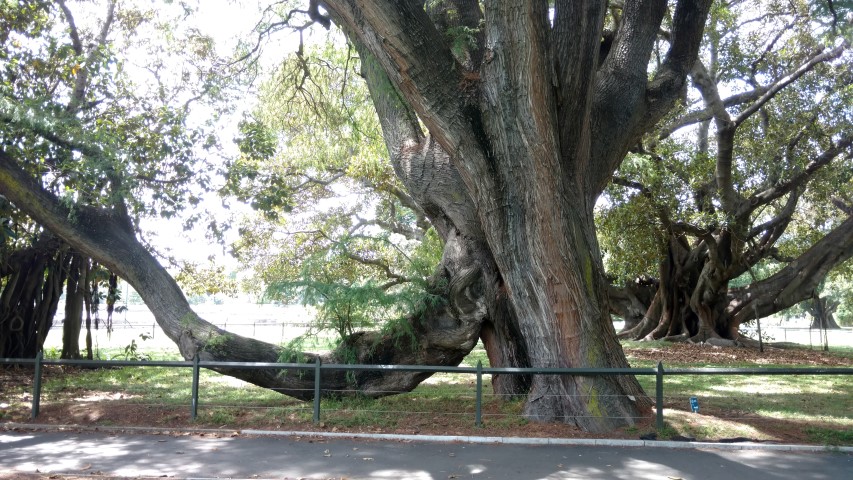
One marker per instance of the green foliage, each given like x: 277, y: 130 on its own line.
x: 207, y: 280
x: 333, y: 228
x: 462, y: 39
x: 294, y: 351
x: 133, y: 352
x: 834, y: 16
x: 250, y: 179
x: 343, y: 281
x: 106, y: 120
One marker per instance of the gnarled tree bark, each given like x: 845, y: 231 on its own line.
x: 535, y: 134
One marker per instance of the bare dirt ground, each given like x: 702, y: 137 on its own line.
x: 728, y: 356
x: 116, y: 412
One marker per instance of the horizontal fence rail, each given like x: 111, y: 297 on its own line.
x: 318, y: 367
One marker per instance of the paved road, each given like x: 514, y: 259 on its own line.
x: 194, y: 456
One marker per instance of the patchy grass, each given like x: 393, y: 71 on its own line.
x: 760, y: 407
x: 826, y: 436
x: 803, y: 408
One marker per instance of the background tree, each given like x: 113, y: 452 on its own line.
x: 346, y: 237
x: 76, y: 125
x: 36, y: 263
x: 740, y: 180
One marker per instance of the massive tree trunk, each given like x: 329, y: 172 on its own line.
x: 535, y: 133
x: 434, y: 184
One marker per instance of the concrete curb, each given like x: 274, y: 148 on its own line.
x: 600, y: 442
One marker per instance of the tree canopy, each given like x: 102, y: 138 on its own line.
x: 94, y: 106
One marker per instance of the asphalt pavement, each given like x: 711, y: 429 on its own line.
x: 209, y: 455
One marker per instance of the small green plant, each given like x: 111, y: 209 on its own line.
x: 52, y: 352
x: 667, y: 432
x: 132, y: 351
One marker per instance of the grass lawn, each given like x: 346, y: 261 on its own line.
x: 802, y: 408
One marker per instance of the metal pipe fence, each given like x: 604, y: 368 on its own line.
x: 659, y: 373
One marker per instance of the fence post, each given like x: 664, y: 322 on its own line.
x: 37, y: 385
x: 479, y: 414
x: 195, y: 388
x: 317, y: 363
x: 659, y: 396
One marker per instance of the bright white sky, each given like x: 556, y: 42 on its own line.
x: 226, y: 21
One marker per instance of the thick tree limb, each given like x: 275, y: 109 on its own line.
x: 626, y: 105
x: 577, y: 35
x: 437, y: 337
x: 688, y: 27
x: 620, y: 100
x: 796, y: 281
x: 707, y: 113
x: 730, y: 199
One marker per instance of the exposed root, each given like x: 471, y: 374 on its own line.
x: 680, y: 338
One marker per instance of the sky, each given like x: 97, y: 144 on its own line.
x: 227, y: 21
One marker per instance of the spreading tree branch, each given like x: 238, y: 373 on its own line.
x: 783, y: 82
x: 768, y: 195
x: 796, y: 281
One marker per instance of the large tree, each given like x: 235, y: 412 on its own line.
x: 534, y: 116
x: 126, y: 154
x: 73, y: 122
x: 744, y: 181
x: 36, y: 265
